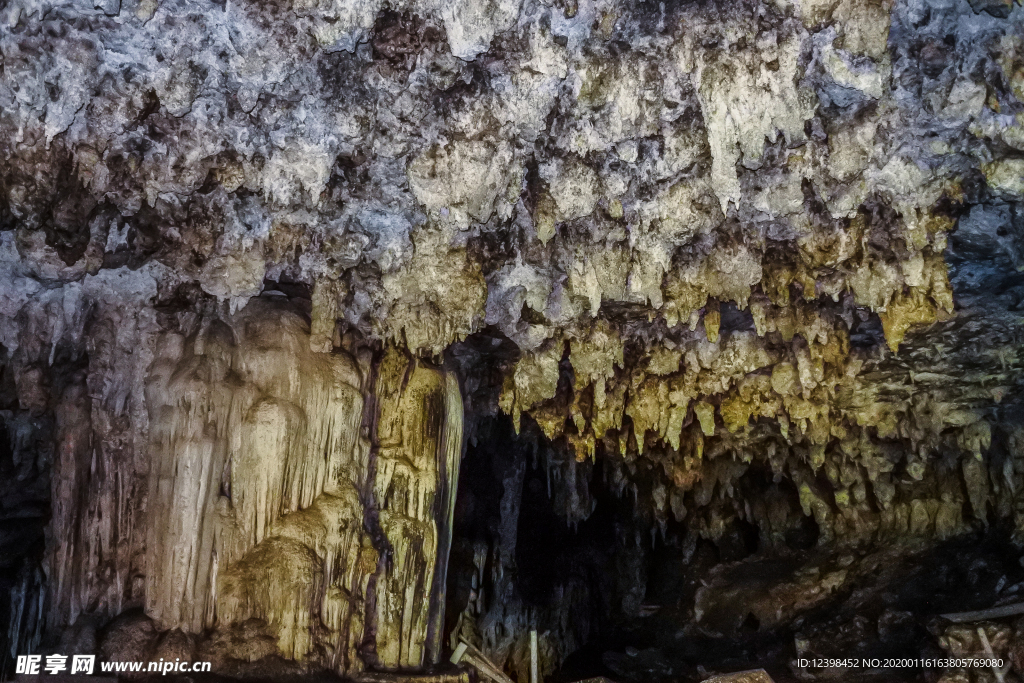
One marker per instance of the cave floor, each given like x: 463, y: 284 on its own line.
x: 768, y: 612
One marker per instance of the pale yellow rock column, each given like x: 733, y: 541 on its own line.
x: 419, y: 433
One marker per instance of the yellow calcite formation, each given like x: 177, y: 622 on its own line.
x: 436, y: 299
x: 788, y: 391
x: 256, y: 464
x: 420, y: 446
x: 534, y: 379
x: 262, y: 482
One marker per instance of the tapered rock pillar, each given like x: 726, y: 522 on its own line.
x: 419, y: 433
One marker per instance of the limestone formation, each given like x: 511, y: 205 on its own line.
x: 741, y: 276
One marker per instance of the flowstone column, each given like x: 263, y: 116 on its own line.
x: 257, y: 483
x: 419, y: 433
x: 265, y: 493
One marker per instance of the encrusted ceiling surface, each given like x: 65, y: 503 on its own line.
x: 689, y: 179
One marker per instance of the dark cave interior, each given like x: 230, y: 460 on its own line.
x: 626, y: 585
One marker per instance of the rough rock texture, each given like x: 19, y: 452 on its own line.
x: 255, y: 502
x: 754, y: 263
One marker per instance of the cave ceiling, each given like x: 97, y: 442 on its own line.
x: 792, y: 217
x: 804, y: 212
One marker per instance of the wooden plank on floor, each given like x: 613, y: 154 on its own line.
x: 753, y: 676
x: 381, y: 677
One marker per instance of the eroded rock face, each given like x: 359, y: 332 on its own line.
x: 689, y: 239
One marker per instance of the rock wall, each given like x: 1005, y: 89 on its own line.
x: 75, y: 442
x: 257, y: 492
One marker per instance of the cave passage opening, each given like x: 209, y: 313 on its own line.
x: 623, y: 577
x: 581, y: 552
x: 534, y: 548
